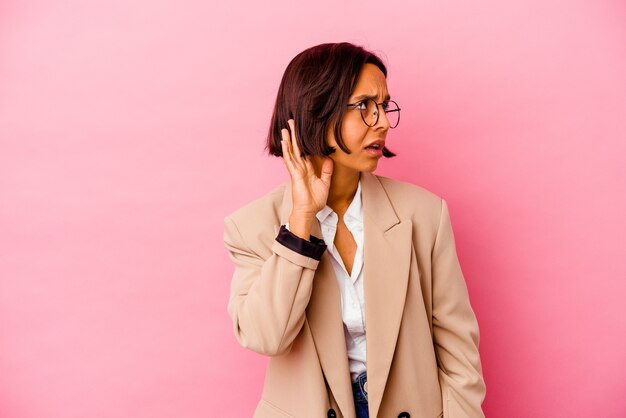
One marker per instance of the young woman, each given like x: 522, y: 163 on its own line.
x: 350, y: 281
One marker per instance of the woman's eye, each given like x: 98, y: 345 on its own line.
x: 385, y: 105
x: 362, y: 105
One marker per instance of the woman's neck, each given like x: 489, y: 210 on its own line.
x: 343, y: 185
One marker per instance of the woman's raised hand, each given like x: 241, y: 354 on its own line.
x: 309, y: 192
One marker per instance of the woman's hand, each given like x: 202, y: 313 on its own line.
x: 309, y: 192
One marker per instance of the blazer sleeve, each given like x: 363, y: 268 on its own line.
x: 268, y: 297
x: 455, y: 330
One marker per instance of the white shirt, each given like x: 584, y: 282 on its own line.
x: 350, y: 285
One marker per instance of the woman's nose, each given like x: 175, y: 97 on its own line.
x: 383, y: 121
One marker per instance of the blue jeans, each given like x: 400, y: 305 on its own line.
x: 360, y: 396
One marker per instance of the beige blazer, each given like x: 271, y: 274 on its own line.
x: 421, y: 332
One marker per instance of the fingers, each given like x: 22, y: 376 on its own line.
x: 327, y: 170
x: 286, y: 148
x: 291, y: 151
x: 294, y: 141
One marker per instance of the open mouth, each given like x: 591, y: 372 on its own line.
x: 374, y: 150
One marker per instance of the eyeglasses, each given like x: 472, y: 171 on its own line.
x: 370, y: 111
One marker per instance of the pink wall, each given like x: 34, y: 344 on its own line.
x: 128, y: 130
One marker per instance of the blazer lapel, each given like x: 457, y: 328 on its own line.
x: 325, y: 321
x: 387, y: 259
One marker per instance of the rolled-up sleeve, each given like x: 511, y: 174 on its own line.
x: 313, y: 248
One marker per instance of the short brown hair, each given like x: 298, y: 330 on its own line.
x: 314, y: 91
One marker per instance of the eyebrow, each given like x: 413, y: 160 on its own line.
x: 369, y: 96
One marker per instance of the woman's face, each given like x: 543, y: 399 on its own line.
x: 355, y: 133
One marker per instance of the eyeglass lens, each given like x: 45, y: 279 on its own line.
x: 371, y: 111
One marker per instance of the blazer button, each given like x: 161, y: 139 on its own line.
x: 404, y: 415
x: 331, y: 413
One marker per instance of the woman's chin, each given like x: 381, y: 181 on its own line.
x: 368, y: 166
x: 371, y: 167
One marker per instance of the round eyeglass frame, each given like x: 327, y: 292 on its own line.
x: 377, y: 111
